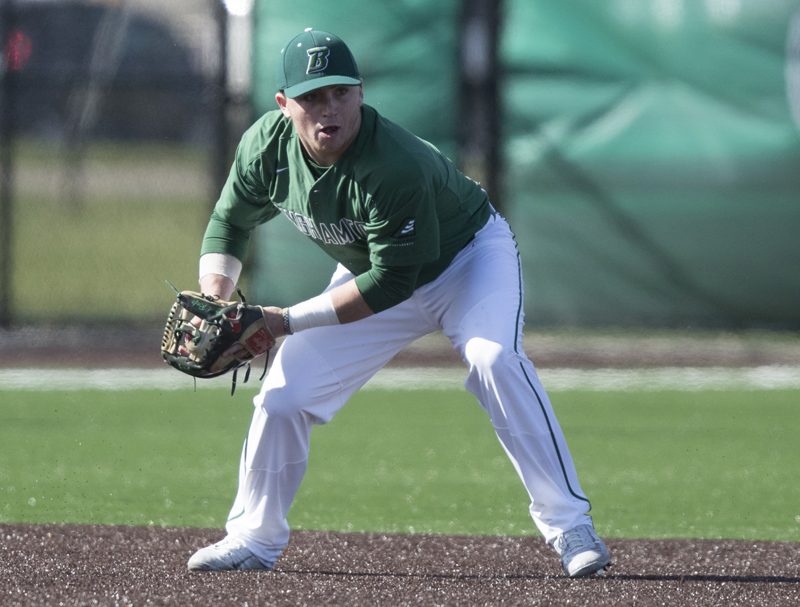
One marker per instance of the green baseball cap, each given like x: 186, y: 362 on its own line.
x: 312, y: 60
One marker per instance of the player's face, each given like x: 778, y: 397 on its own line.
x: 326, y: 119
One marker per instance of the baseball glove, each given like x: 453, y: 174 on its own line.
x: 197, y: 348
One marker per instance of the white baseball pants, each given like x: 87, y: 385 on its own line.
x: 477, y: 302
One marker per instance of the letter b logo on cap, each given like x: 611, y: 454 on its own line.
x: 317, y: 59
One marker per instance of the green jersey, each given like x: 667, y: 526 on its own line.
x: 392, y: 209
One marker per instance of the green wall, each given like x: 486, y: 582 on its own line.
x: 652, y: 162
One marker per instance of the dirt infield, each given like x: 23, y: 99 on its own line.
x: 121, y: 566
x: 101, y: 566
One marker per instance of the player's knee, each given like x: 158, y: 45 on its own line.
x: 483, y: 355
x: 283, y: 402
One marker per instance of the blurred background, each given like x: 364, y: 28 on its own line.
x: 646, y: 152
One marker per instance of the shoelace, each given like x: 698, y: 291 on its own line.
x: 575, y: 540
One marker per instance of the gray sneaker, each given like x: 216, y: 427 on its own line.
x: 582, y: 552
x: 226, y: 555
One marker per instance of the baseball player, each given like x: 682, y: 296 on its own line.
x: 419, y: 249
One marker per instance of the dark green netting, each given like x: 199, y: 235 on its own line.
x: 653, y: 166
x: 652, y: 159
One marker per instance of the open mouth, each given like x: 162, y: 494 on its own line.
x: 329, y: 131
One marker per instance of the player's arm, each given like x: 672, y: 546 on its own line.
x: 216, y: 284
x: 349, y: 304
x: 374, y: 291
x: 340, y: 305
x: 243, y: 204
x: 219, y: 273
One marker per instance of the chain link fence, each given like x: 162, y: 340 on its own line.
x: 647, y: 152
x: 116, y: 127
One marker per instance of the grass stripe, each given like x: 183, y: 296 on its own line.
x: 684, y: 379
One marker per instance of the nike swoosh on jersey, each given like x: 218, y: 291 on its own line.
x: 283, y: 169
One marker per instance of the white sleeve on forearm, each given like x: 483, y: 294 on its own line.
x: 315, y: 312
x: 220, y: 263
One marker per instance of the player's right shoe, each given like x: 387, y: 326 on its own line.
x: 582, y: 551
x: 226, y: 555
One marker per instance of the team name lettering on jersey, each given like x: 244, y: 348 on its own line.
x: 346, y: 231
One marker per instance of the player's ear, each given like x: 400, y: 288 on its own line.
x: 282, y: 103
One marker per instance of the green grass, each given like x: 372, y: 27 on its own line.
x: 30, y: 151
x: 135, y: 458
x: 699, y: 464
x: 712, y: 464
x: 106, y: 262
x: 106, y: 259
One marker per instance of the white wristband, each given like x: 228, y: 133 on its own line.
x: 315, y: 312
x: 220, y: 263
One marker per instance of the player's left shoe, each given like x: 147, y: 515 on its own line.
x: 226, y: 555
x: 582, y: 551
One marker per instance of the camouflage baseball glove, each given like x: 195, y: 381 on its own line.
x: 197, y: 348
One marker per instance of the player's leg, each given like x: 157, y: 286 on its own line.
x: 484, y: 322
x: 313, y: 375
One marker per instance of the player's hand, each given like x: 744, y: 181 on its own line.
x: 196, y: 321
x: 274, y: 318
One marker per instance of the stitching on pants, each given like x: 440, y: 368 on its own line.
x: 246, y: 467
x: 553, y: 438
